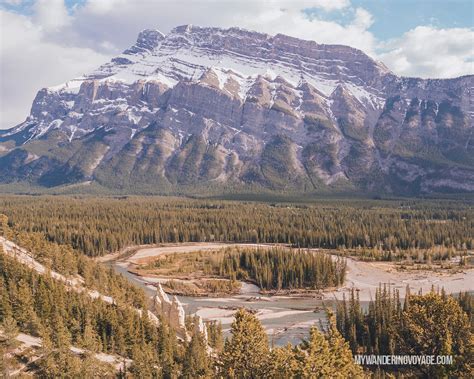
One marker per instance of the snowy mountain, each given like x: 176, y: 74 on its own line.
x: 209, y: 109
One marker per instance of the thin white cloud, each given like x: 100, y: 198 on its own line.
x: 333, y: 4
x: 431, y: 52
x: 363, y: 19
x: 118, y: 21
x: 29, y: 62
x: 50, y: 14
x: 13, y: 2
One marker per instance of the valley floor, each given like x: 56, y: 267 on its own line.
x: 363, y: 276
x: 288, y: 318
x: 367, y: 276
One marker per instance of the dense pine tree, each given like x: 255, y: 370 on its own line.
x: 196, y: 359
x: 434, y: 324
x: 246, y: 351
x: 8, y: 343
x: 279, y: 268
x: 283, y: 362
x: 214, y: 333
x: 431, y: 324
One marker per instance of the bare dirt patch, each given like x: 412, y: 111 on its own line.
x: 366, y: 277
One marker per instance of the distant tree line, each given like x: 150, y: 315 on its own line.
x: 97, y: 226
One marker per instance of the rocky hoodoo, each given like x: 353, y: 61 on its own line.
x: 173, y: 312
x: 209, y: 109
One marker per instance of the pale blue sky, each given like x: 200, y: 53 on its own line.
x: 394, y: 17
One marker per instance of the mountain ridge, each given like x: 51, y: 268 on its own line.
x: 231, y: 108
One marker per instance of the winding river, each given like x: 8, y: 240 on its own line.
x: 288, y: 318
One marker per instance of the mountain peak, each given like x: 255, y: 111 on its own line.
x: 149, y: 36
x: 232, y: 94
x: 181, y: 29
x: 147, y: 40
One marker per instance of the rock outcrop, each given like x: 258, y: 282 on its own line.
x: 173, y: 312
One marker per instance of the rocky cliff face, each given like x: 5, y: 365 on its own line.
x: 207, y: 109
